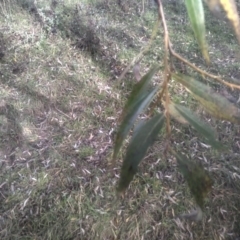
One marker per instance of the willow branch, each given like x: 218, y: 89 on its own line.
x: 217, y: 78
x: 167, y: 74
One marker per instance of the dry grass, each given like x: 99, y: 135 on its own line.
x: 58, y: 116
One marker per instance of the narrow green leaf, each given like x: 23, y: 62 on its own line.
x: 139, y: 100
x: 139, y: 89
x: 141, y: 141
x: 196, y: 16
x: 200, y: 126
x: 198, y: 179
x: 217, y: 105
x: 174, y: 113
x: 139, y: 124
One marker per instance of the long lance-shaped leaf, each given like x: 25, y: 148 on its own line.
x: 141, y: 141
x: 131, y: 115
x: 198, y: 179
x: 200, y: 126
x: 196, y: 16
x: 174, y: 113
x: 214, y: 103
x: 139, y: 90
x: 139, y: 99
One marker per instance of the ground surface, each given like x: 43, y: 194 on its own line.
x: 59, y: 106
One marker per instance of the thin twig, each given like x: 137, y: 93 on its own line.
x: 217, y: 78
x: 167, y: 73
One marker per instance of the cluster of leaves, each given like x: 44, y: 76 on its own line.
x: 142, y: 96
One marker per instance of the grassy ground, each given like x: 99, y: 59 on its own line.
x: 59, y: 107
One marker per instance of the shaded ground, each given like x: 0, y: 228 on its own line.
x: 59, y: 63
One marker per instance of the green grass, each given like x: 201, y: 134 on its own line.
x: 59, y: 109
